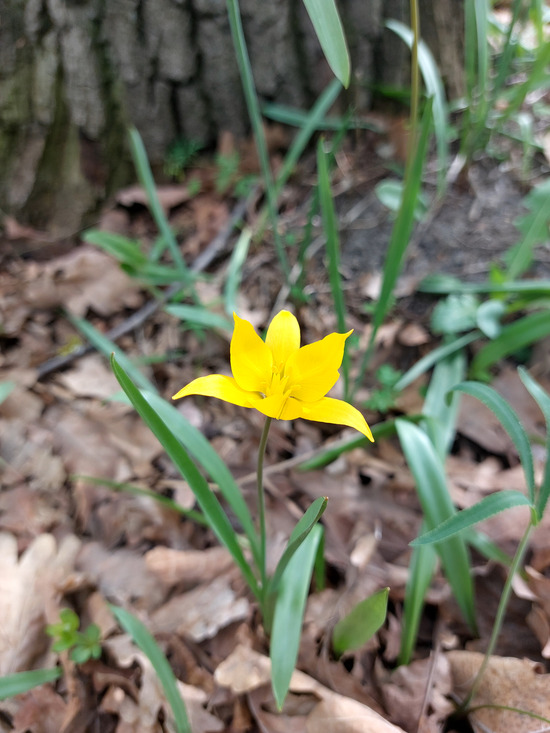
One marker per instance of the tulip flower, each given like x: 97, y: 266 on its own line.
x: 279, y: 378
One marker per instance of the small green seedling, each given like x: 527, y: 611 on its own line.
x: 83, y: 645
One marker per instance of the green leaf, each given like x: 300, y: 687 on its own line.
x: 141, y: 636
x: 487, y: 507
x: 125, y: 250
x: 421, y: 571
x: 139, y: 491
x: 199, y: 316
x: 208, y: 502
x: 20, y: 682
x: 107, y: 347
x: 510, y: 422
x: 5, y: 389
x: 488, y: 317
x: 428, y: 471
x: 543, y: 401
x: 434, y: 89
x: 427, y: 362
x: 235, y: 271
x: 147, y: 181
x: 297, y: 537
x: 441, y: 414
x: 289, y: 613
x: 512, y: 338
x: 201, y: 450
x: 390, y: 195
x: 328, y: 27
x: 361, y: 623
x: 455, y: 314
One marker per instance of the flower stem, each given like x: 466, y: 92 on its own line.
x: 501, y: 611
x: 261, y: 505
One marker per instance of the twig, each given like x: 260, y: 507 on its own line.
x: 215, y: 248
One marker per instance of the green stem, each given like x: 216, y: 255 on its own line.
x: 501, y: 611
x: 261, y: 506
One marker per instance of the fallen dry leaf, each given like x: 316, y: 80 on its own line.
x: 189, y: 567
x: 507, y: 682
x: 245, y: 670
x: 29, y: 591
x: 202, y: 612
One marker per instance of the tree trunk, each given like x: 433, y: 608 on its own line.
x: 75, y: 73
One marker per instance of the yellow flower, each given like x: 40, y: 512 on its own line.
x: 279, y: 378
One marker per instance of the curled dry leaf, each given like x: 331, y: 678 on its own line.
x: 189, y: 567
x: 507, y: 683
x: 29, y: 587
x: 202, y: 612
x: 245, y: 670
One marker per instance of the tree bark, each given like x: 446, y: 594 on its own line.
x: 75, y: 73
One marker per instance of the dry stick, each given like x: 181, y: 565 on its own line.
x: 215, y: 248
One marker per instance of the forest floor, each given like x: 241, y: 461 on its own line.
x: 68, y: 542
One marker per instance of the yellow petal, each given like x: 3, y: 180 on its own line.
x: 272, y: 406
x: 313, y: 370
x: 216, y: 385
x: 283, y: 337
x: 336, y: 412
x: 251, y: 359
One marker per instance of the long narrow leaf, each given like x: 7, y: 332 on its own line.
x: 331, y: 233
x: 421, y: 572
x: 207, y: 501
x: 512, y: 338
x: 145, y: 641
x: 487, y: 507
x: 429, y: 475
x: 235, y: 271
x: 510, y: 422
x: 443, y: 413
x: 198, y: 446
x: 148, y: 493
x: 199, y: 316
x: 427, y: 362
x: 20, y: 682
x: 328, y: 27
x: 435, y: 89
x: 543, y: 401
x: 107, y: 347
x: 289, y: 614
x: 298, y: 535
x: 147, y: 181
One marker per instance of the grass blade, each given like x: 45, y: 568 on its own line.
x: 145, y: 641
x: 487, y: 507
x: 442, y: 413
x: 510, y: 422
x: 289, y: 613
x: 298, y: 536
x: 361, y: 623
x: 253, y: 107
x: 201, y: 450
x: 235, y: 271
x: 429, y: 475
x: 149, y: 493
x: 435, y: 89
x: 543, y: 401
x: 328, y: 27
x: 401, y: 233
x: 20, y: 682
x: 199, y: 316
x: 209, y: 504
x: 147, y: 181
x: 107, y: 347
x: 5, y: 389
x: 421, y: 572
x: 513, y: 337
